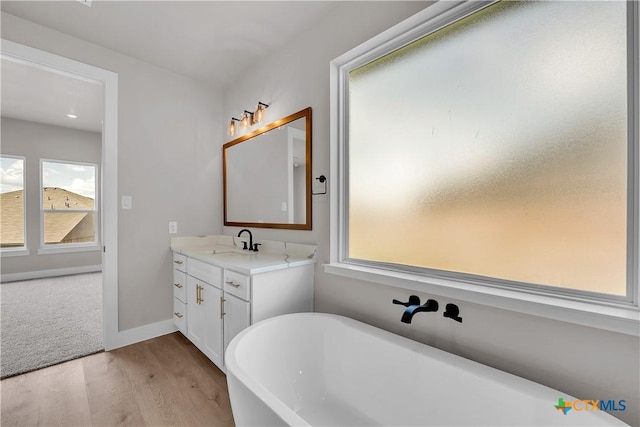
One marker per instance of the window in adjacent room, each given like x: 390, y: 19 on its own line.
x: 12, y: 233
x: 498, y: 150
x: 69, y: 214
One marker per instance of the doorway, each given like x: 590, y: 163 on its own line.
x: 107, y: 200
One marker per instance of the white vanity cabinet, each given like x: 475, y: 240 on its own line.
x: 252, y: 298
x: 222, y: 293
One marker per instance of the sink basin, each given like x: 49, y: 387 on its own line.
x: 225, y: 251
x: 241, y: 252
x: 215, y: 251
x: 235, y: 254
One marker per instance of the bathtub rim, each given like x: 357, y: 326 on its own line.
x: 288, y: 415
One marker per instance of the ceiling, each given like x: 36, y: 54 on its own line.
x: 210, y: 41
x: 214, y: 42
x: 42, y: 95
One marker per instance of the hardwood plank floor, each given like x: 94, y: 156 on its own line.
x: 165, y: 381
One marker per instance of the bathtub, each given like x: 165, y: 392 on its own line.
x: 313, y: 369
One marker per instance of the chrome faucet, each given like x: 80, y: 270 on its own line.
x: 413, y: 307
x: 250, y: 239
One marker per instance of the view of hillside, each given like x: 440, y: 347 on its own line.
x: 62, y: 222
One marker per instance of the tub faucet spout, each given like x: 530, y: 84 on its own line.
x: 430, y: 305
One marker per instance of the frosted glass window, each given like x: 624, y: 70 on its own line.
x: 497, y: 147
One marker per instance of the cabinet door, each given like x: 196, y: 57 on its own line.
x: 195, y: 312
x: 214, y: 312
x: 236, y: 317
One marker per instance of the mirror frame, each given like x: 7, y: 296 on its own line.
x: 306, y: 113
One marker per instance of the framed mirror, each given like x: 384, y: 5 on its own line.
x: 267, y: 175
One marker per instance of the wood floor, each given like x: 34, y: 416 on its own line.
x: 165, y: 381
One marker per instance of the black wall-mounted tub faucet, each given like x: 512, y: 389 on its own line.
x: 413, y: 307
x: 413, y: 300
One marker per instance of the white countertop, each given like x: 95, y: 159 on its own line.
x: 217, y: 251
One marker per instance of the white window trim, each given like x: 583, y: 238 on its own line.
x: 53, y: 248
x: 68, y: 248
x: 11, y: 252
x: 617, y: 317
x: 19, y: 250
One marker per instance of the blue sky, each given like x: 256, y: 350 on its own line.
x: 11, y: 174
x: 75, y: 177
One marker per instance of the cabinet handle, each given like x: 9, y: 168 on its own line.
x: 177, y: 285
x: 178, y: 262
x: 222, y: 313
x: 232, y: 283
x: 200, y: 296
x: 178, y: 315
x: 198, y: 299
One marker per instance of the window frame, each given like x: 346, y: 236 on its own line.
x: 53, y: 248
x: 588, y: 309
x: 19, y: 250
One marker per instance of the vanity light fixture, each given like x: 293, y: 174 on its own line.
x: 232, y: 126
x: 249, y: 118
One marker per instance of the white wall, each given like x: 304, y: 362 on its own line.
x: 585, y: 362
x: 169, y: 161
x: 35, y: 141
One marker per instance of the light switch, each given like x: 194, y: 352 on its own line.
x: 127, y: 202
x: 284, y: 206
x: 173, y: 227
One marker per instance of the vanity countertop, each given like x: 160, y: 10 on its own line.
x: 218, y: 252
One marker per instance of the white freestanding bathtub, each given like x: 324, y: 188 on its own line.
x: 327, y: 370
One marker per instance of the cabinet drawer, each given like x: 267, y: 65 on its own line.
x: 237, y: 284
x: 179, y: 262
x: 205, y: 272
x: 180, y: 315
x: 180, y: 285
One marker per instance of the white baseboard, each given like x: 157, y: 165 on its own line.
x: 142, y: 333
x: 28, y: 275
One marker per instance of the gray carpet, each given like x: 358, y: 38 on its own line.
x: 49, y: 321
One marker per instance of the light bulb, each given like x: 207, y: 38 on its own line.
x: 245, y: 121
x: 258, y: 115
x: 232, y: 128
